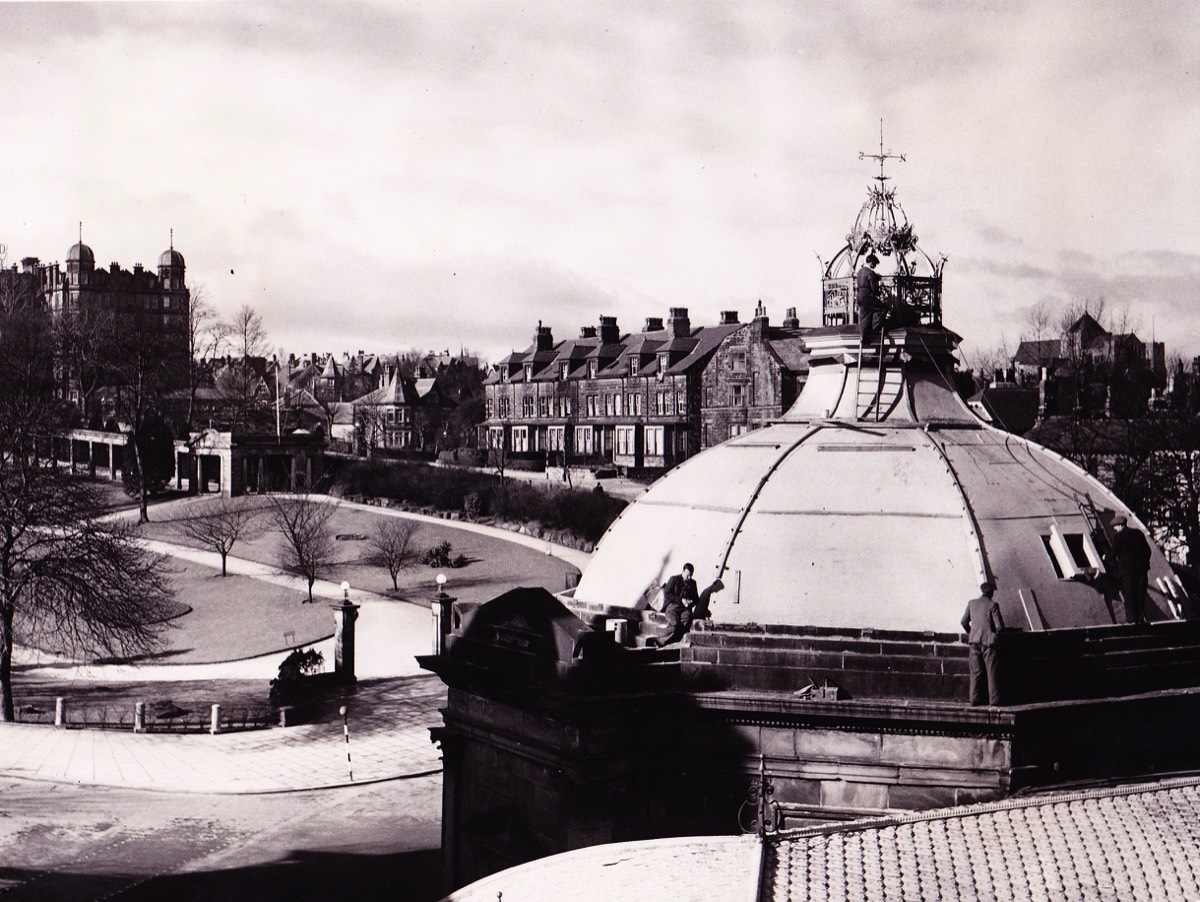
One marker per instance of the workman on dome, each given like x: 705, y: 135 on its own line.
x: 868, y: 295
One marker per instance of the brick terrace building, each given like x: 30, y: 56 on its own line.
x: 644, y: 400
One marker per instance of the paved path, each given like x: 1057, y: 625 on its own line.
x: 389, y: 738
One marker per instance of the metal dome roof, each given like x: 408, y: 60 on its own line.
x: 81, y: 253
x: 171, y: 257
x: 833, y: 518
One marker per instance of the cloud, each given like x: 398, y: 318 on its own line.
x: 386, y: 174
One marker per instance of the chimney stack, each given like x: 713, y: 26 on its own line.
x: 729, y: 317
x: 542, y: 339
x: 679, y: 324
x: 609, y: 333
x: 587, y: 331
x: 790, y: 321
x: 653, y: 324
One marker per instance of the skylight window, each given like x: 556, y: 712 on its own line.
x: 1073, y: 554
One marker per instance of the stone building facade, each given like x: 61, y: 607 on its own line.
x: 156, y: 301
x: 642, y: 401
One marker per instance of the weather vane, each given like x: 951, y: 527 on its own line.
x: 881, y: 156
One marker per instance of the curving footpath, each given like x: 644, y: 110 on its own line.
x: 389, y: 711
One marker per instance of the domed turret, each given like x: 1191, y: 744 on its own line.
x: 81, y: 264
x: 171, y: 267
x: 80, y: 254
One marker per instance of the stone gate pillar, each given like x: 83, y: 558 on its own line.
x: 344, y: 616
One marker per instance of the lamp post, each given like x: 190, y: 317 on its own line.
x: 442, y: 606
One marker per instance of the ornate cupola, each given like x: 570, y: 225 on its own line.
x: 911, y: 279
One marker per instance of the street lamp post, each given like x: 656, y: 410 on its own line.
x: 442, y: 606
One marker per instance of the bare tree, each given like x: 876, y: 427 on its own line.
x: 84, y: 355
x: 303, y: 523
x: 390, y: 546
x: 986, y: 360
x: 147, y: 365
x: 246, y: 334
x: 206, y: 335
x: 498, y: 459
x: 370, y: 422
x: 220, y: 523
x: 241, y: 382
x: 66, y: 574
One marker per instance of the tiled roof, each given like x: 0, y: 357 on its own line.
x: 1038, y: 353
x: 394, y: 393
x: 707, y: 339
x: 792, y: 353
x: 1139, y: 842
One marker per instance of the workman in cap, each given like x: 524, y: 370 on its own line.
x: 868, y: 295
x: 1130, y: 563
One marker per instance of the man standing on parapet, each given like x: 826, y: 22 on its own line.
x: 983, y: 623
x: 1131, y: 560
x: 868, y: 297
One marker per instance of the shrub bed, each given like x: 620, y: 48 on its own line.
x: 585, y: 514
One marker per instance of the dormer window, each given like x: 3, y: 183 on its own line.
x: 592, y: 369
x: 563, y: 369
x: 662, y: 363
x: 528, y: 372
x: 633, y: 366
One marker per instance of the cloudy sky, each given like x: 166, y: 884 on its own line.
x: 393, y: 175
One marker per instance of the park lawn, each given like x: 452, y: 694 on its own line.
x: 235, y: 617
x: 494, y: 567
x: 224, y: 619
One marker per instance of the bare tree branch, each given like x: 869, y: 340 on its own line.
x: 220, y: 523
x: 390, y: 546
x: 303, y: 523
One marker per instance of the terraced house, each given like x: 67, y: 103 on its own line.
x: 642, y: 401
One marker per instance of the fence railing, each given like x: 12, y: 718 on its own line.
x: 142, y: 718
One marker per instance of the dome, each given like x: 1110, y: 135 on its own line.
x: 879, y: 501
x: 171, y: 257
x: 81, y: 253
